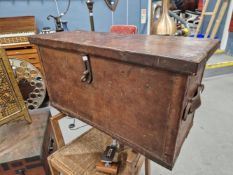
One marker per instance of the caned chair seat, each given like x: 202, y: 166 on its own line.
x: 80, y: 156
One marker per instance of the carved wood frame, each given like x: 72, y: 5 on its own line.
x: 13, y: 91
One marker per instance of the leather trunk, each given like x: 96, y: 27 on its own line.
x: 141, y: 90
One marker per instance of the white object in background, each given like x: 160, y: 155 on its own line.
x: 226, y: 27
x: 58, y: 11
x: 143, y: 16
x: 13, y: 44
x: 17, y: 34
x: 112, y: 14
x: 149, y: 16
x: 53, y: 111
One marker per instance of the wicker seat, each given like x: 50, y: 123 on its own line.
x: 81, y: 155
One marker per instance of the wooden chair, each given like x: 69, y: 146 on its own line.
x: 81, y: 155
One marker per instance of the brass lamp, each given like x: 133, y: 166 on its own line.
x: 165, y: 25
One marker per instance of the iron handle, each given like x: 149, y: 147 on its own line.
x: 84, y: 77
x: 87, y: 73
x: 193, y: 103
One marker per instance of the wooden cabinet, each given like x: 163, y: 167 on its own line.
x: 27, y: 52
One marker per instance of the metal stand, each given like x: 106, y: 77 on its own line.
x: 90, y: 4
x: 58, y: 22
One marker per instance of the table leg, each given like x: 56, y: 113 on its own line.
x: 147, y: 167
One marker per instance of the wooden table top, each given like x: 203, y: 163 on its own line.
x: 20, y: 140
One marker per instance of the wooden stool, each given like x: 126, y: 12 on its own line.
x: 81, y: 155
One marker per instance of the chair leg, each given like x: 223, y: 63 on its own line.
x: 57, y: 130
x: 52, y: 169
x: 147, y: 167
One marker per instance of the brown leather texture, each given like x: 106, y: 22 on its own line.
x: 140, y: 88
x: 180, y: 54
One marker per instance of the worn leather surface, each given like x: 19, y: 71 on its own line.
x: 181, y: 54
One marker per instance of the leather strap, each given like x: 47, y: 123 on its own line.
x: 193, y: 103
